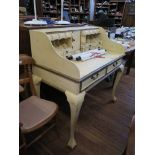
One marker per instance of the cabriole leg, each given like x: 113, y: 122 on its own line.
x: 118, y: 77
x: 75, y: 102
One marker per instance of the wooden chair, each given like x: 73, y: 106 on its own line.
x: 22, y: 144
x: 34, y: 113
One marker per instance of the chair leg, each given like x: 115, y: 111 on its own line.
x: 40, y: 136
x: 56, y: 128
x: 22, y: 148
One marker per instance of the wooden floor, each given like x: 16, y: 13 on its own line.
x: 102, y: 128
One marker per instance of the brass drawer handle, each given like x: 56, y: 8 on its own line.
x: 114, y: 64
x: 94, y: 76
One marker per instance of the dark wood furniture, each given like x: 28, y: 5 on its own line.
x: 113, y: 9
x: 122, y: 12
x: 78, y: 10
x: 21, y: 89
x: 24, y: 37
x: 130, y: 149
x: 129, y: 15
x: 130, y: 53
x: 130, y: 58
x: 22, y: 144
x: 34, y: 113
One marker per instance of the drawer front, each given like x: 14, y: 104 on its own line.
x: 114, y: 65
x: 119, y: 62
x: 93, y: 78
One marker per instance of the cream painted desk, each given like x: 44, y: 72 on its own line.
x: 50, y: 49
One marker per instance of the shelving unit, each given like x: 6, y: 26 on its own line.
x: 112, y: 8
x: 77, y: 10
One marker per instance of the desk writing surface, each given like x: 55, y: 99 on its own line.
x: 21, y: 25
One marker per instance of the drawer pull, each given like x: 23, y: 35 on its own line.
x: 94, y: 76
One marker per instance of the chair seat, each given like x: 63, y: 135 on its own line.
x: 35, y: 112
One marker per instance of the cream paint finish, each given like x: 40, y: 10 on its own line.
x: 75, y: 102
x: 45, y: 54
x: 118, y: 77
x: 56, y: 81
x: 86, y: 67
x: 50, y: 48
x: 93, y: 78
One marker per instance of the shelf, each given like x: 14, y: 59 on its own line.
x: 79, y: 13
x: 113, y: 4
x: 75, y: 5
x: 117, y: 24
x: 115, y: 15
x: 102, y: 7
x: 114, y: 10
x: 53, y: 8
x: 118, y: 18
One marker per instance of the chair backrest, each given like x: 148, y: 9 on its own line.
x: 25, y: 77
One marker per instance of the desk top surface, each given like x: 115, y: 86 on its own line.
x: 21, y: 25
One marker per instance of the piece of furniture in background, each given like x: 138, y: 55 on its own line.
x: 104, y: 21
x: 34, y: 113
x: 126, y: 37
x: 130, y: 148
x: 22, y: 8
x: 28, y: 4
x: 129, y: 14
x: 130, y: 53
x: 21, y: 89
x: 113, y: 9
x: 24, y: 37
x: 22, y: 144
x: 78, y: 10
x: 121, y: 11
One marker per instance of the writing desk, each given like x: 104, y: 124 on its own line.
x: 51, y: 48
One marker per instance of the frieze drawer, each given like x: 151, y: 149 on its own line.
x: 114, y: 65
x: 93, y: 78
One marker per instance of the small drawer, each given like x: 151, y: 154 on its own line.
x: 93, y: 78
x: 114, y: 65
x: 119, y: 62
x: 111, y: 67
